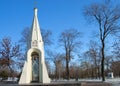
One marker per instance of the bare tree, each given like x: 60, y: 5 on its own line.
x: 74, y: 70
x: 107, y: 18
x: 10, y: 55
x: 70, y: 41
x: 94, y: 57
x: 46, y: 34
x: 108, y: 62
x: 85, y: 67
x: 57, y: 59
x: 25, y: 37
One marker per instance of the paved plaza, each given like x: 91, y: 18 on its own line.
x: 82, y: 82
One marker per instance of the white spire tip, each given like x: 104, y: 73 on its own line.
x: 35, y: 10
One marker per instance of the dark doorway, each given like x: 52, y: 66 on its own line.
x: 35, y: 67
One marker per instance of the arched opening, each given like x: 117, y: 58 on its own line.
x: 35, y: 67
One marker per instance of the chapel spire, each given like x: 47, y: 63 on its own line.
x: 36, y: 33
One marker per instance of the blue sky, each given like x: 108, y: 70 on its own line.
x: 54, y: 15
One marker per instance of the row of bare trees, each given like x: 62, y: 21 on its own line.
x: 87, y: 66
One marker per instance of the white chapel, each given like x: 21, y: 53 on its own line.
x: 34, y: 69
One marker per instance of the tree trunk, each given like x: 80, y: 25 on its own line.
x: 98, y: 72
x: 102, y: 61
x: 67, y: 69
